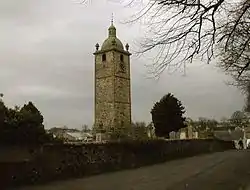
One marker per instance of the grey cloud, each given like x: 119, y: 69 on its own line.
x: 46, y: 57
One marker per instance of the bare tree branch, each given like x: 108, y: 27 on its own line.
x: 235, y: 45
x: 184, y: 30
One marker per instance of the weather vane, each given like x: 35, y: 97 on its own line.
x: 112, y: 18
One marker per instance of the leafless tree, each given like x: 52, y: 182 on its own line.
x: 184, y: 30
x: 235, y: 44
x: 234, y: 53
x: 85, y: 128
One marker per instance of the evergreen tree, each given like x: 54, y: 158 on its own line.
x: 22, y: 126
x: 167, y: 115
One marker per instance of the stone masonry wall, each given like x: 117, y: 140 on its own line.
x: 104, y: 91
x: 122, y: 115
x: 126, y: 64
x: 112, y: 90
x: 62, y: 162
x: 106, y: 68
x: 104, y: 115
x: 122, y: 90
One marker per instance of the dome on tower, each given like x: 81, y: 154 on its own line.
x: 112, y: 41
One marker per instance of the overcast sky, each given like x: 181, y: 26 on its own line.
x: 46, y: 57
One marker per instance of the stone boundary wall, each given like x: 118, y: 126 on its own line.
x: 58, y: 162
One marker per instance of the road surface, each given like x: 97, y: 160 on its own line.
x: 228, y: 170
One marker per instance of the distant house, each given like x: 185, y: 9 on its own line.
x: 247, y: 132
x: 87, y: 137
x: 247, y: 136
x: 71, y: 135
x: 237, y: 135
x: 184, y: 133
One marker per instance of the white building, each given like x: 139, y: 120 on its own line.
x: 71, y: 135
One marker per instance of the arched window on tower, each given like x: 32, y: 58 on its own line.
x: 122, y: 66
x: 104, y: 57
x: 121, y: 58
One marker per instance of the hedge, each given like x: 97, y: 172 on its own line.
x: 57, y: 162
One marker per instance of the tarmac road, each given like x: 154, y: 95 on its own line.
x: 228, y: 170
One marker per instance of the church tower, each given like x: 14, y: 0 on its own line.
x: 112, y: 84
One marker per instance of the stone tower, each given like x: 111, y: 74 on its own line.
x: 112, y: 84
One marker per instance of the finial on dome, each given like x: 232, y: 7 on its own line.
x: 112, y: 19
x: 127, y: 46
x: 112, y: 29
x: 97, y: 46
